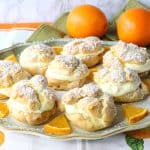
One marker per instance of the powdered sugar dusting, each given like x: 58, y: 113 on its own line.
x: 130, y: 52
x: 9, y: 67
x: 91, y: 89
x: 72, y: 64
x: 109, y: 59
x: 88, y: 90
x: 82, y: 69
x: 33, y: 94
x: 24, y: 90
x: 39, y: 52
x: 90, y: 45
x: 39, y: 80
x: 117, y: 73
x: 68, y: 61
x: 10, y: 72
x: 86, y: 45
x: 72, y: 47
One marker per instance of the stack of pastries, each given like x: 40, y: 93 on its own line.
x: 87, y: 105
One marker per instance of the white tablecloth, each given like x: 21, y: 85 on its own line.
x: 49, y: 10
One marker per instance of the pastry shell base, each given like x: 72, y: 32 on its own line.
x: 91, y: 61
x: 33, y: 118
x: 134, y: 96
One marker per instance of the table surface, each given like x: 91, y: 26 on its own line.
x: 12, y: 11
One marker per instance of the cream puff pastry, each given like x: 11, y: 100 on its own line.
x: 121, y: 82
x: 35, y: 58
x: 88, y: 108
x: 132, y: 56
x: 66, y: 72
x: 32, y: 101
x: 89, y: 50
x: 10, y: 73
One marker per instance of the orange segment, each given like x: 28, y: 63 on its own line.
x: 2, y: 137
x: 58, y: 49
x: 2, y: 96
x: 59, y: 126
x: 134, y: 113
x: 92, y: 70
x: 147, y: 82
x: 3, y: 110
x: 11, y: 57
x: 141, y: 133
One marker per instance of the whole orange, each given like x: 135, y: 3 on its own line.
x: 86, y: 20
x: 134, y: 26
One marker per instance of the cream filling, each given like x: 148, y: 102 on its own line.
x: 139, y: 67
x: 75, y: 109
x: 5, y: 91
x: 13, y: 105
x: 54, y: 74
x: 118, y: 89
x: 83, y: 56
x: 37, y: 65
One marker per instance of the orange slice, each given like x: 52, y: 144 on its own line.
x: 141, y: 133
x: 59, y: 126
x: 2, y: 96
x: 3, y: 110
x: 11, y: 57
x: 92, y: 70
x: 147, y: 82
x: 58, y: 49
x: 134, y: 113
x: 2, y: 137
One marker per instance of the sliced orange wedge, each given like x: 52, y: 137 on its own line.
x: 58, y: 49
x: 92, y: 70
x: 3, y: 110
x: 59, y: 126
x: 11, y: 57
x: 2, y: 137
x: 147, y: 82
x: 2, y: 97
x: 134, y: 113
x: 141, y: 133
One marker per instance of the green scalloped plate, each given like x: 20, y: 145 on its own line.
x: 119, y: 125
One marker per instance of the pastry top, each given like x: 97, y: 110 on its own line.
x: 90, y: 102
x: 32, y: 95
x: 110, y: 60
x: 118, y: 75
x: 10, y: 73
x: 90, y: 45
x: 117, y: 80
x: 38, y: 53
x: 88, y: 90
x: 67, y: 67
x: 130, y: 53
